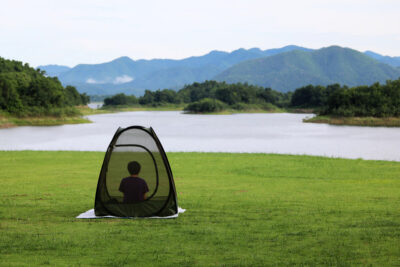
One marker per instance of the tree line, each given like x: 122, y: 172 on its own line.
x: 208, y: 96
x: 377, y: 100
x: 25, y: 91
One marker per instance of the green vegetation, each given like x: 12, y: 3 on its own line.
x: 242, y: 210
x: 120, y: 100
x: 380, y: 101
x: 138, y: 107
x: 375, y: 105
x: 28, y: 92
x: 207, y: 97
x: 28, y: 97
x: 356, y: 121
x: 7, y: 121
x: 377, y: 100
x: 205, y: 105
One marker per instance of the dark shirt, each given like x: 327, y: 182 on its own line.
x: 133, y: 188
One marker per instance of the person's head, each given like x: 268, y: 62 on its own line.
x: 134, y: 167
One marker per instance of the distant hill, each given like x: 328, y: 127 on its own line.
x: 54, y: 70
x: 130, y: 76
x: 392, y: 61
x: 134, y: 76
x: 291, y: 70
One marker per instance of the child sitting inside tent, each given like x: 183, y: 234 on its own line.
x: 133, y: 187
x: 156, y: 196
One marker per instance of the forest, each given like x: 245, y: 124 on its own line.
x: 208, y: 96
x: 376, y: 100
x: 25, y: 91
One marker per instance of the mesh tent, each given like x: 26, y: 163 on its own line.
x: 138, y: 144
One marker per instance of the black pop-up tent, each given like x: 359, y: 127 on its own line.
x: 138, y: 144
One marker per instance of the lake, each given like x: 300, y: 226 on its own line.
x: 281, y: 133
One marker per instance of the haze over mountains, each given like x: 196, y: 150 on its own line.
x: 282, y: 69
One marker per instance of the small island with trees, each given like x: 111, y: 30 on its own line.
x: 206, y: 97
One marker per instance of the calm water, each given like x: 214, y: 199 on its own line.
x: 267, y: 133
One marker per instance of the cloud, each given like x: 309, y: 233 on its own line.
x: 123, y: 79
x: 93, y: 81
x: 117, y: 80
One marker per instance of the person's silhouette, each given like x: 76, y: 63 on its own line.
x: 133, y: 187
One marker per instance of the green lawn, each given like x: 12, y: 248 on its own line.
x: 242, y: 210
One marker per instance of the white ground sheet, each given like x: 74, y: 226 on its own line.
x: 90, y: 215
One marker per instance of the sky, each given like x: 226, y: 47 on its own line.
x: 71, y: 32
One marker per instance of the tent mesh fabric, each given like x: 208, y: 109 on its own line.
x: 138, y: 144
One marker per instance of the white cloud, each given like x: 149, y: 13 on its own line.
x: 117, y: 80
x: 123, y: 79
x: 93, y: 81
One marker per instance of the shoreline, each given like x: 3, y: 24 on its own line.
x: 9, y: 121
x: 211, y: 153
x: 355, y: 121
x: 220, y: 153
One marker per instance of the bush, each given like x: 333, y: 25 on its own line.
x: 120, y: 99
x: 239, y: 106
x: 205, y: 105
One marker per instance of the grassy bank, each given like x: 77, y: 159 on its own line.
x: 242, y: 210
x: 356, y: 121
x: 7, y: 120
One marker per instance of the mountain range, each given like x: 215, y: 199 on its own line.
x: 288, y: 71
x: 282, y: 69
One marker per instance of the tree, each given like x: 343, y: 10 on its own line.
x: 206, y: 105
x: 26, y: 91
x: 120, y: 99
x: 227, y: 95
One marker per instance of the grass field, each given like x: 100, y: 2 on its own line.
x: 242, y: 210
